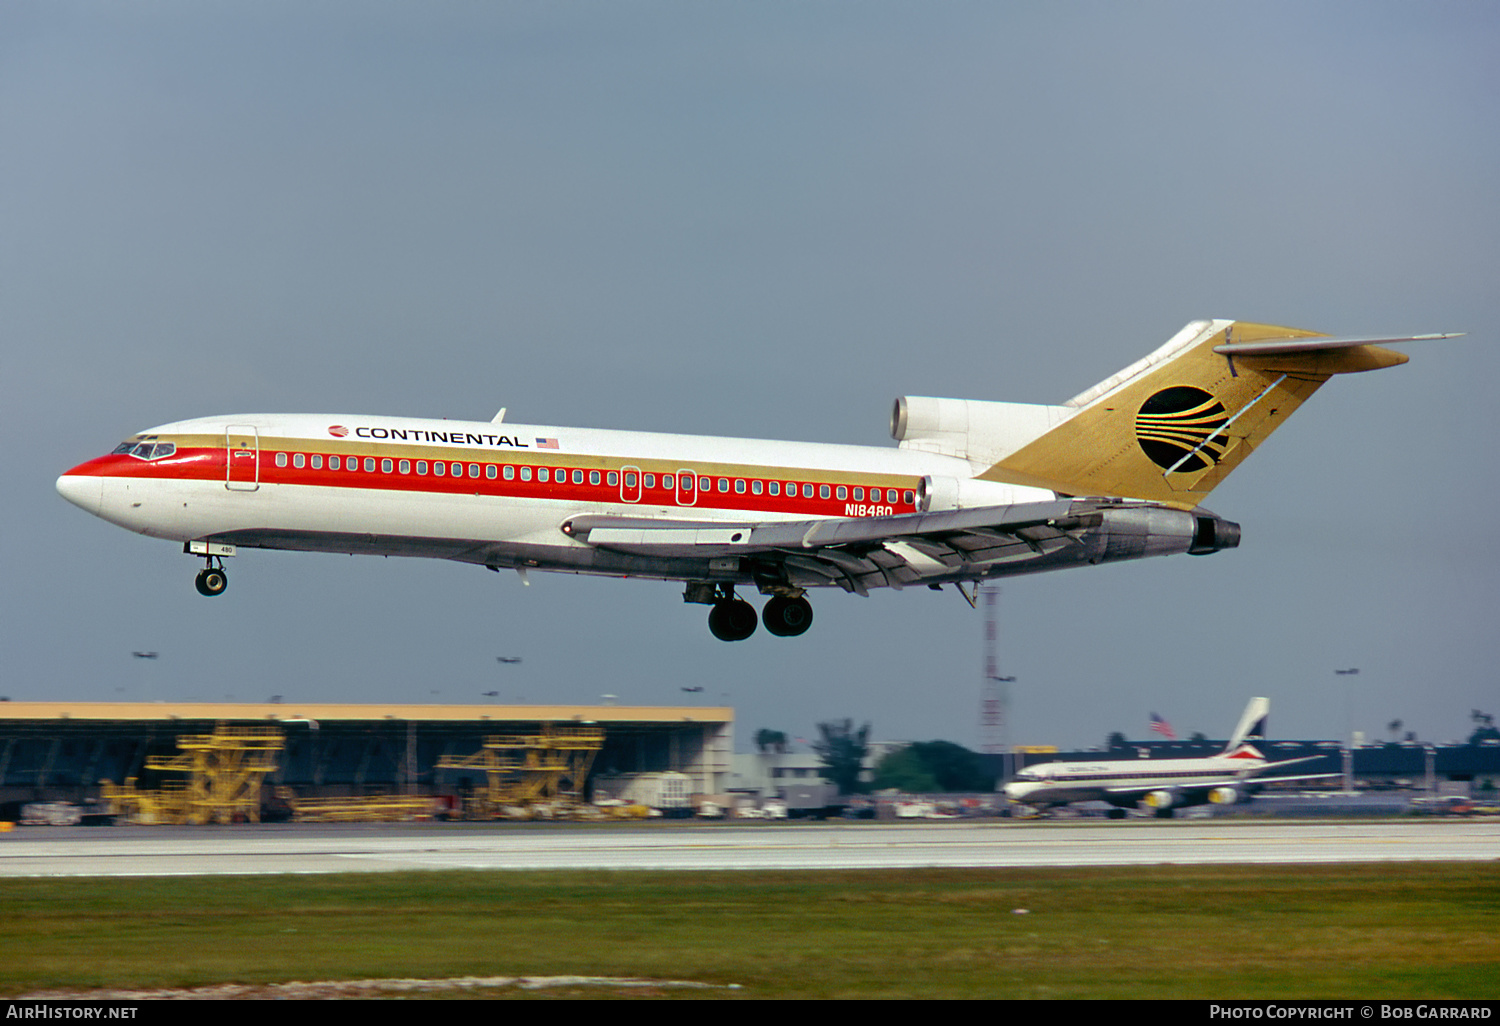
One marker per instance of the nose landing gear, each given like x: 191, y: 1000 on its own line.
x: 212, y: 580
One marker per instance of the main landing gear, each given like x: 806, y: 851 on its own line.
x: 734, y: 619
x: 787, y: 617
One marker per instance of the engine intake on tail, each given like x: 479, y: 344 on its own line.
x: 938, y: 494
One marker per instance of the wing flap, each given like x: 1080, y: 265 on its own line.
x: 856, y: 554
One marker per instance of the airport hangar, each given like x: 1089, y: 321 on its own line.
x: 60, y: 751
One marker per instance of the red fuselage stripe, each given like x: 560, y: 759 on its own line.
x: 209, y: 464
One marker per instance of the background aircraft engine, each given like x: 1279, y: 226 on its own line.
x: 1159, y: 800
x: 1224, y: 796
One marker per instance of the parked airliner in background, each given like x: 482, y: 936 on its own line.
x: 974, y: 490
x: 1159, y: 784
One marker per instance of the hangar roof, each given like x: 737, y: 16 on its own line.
x: 332, y: 712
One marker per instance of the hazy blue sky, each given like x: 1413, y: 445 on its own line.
x: 762, y: 220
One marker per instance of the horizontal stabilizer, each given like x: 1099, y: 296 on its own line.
x: 1272, y: 347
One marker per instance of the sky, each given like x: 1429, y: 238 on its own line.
x: 765, y: 221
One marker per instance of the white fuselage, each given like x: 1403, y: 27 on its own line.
x: 1063, y: 782
x: 474, y: 491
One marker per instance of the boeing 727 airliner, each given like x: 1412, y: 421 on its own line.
x: 974, y: 490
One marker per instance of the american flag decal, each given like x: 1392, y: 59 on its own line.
x: 546, y: 443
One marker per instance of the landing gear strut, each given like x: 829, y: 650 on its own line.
x: 212, y: 580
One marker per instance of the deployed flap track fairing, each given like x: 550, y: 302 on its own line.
x: 974, y: 490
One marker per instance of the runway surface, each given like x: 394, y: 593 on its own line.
x: 281, y: 848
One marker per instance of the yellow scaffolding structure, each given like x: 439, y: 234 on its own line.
x: 225, y: 770
x: 531, y: 772
x: 375, y: 808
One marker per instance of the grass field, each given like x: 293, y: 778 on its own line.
x: 1401, y: 930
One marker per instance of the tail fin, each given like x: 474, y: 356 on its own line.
x: 1171, y: 426
x: 1252, y: 725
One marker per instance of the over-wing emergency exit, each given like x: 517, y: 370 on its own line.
x: 974, y: 490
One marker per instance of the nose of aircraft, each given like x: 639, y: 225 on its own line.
x: 84, y: 492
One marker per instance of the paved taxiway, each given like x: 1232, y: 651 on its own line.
x: 167, y: 851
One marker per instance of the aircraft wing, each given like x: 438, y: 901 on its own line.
x: 1203, y: 786
x: 1304, y: 776
x: 859, y: 553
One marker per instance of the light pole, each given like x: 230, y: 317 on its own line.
x: 1353, y: 671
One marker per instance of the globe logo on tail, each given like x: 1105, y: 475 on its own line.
x: 1177, y: 428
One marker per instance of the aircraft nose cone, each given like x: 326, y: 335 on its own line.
x: 86, y: 493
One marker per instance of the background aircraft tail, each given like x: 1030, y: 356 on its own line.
x: 1171, y: 426
x: 1252, y: 725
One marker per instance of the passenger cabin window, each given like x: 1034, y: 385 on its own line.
x: 333, y: 463
x: 317, y: 461
x: 299, y: 460
x: 525, y: 473
x: 281, y: 459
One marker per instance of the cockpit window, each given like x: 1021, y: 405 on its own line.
x: 145, y: 450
